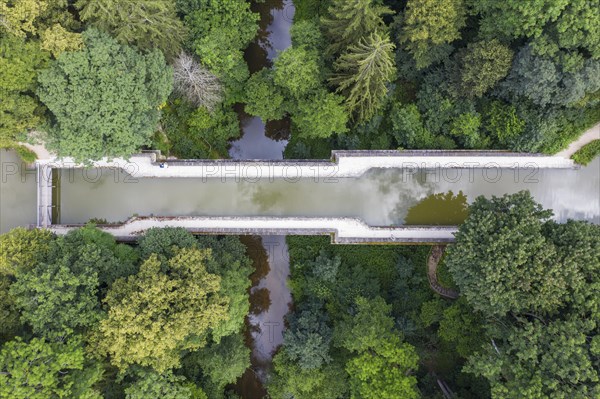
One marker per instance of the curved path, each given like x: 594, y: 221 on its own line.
x: 435, y: 255
x: 586, y: 138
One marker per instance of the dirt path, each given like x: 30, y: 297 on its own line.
x: 586, y: 138
x: 432, y: 262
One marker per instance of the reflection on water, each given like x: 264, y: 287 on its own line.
x: 259, y: 141
x: 380, y: 197
x: 269, y: 295
x: 444, y: 209
x: 18, y: 197
x: 269, y: 299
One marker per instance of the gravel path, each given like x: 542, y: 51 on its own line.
x: 586, y: 138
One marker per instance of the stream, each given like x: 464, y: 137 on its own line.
x: 270, y: 297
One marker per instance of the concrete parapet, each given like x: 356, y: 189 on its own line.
x: 342, y: 230
x: 343, y: 164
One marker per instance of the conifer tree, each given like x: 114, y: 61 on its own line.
x: 363, y: 74
x: 351, y: 20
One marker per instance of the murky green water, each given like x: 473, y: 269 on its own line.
x: 380, y: 197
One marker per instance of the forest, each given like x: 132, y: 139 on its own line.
x: 95, y: 78
x: 82, y: 316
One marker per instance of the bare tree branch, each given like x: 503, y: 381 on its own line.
x: 196, y: 83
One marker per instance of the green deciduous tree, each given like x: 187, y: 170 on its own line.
x: 224, y: 23
x: 263, y: 98
x: 551, y: 24
x: 104, y: 98
x: 320, y: 115
x: 219, y: 32
x: 165, y: 242
x: 538, y: 360
x: 462, y: 328
x: 57, y: 300
x: 89, y: 248
x: 307, y: 339
x: 382, y: 373
x: 9, y: 313
x: 297, y: 71
x: 148, y: 24
x: 545, y: 81
x: 515, y: 18
x: 578, y: 251
x: 577, y: 27
x: 154, y: 315
x: 408, y: 127
x: 363, y: 74
x: 503, y: 124
x: 21, y: 249
x: 466, y: 127
x: 502, y: 261
x: 57, y: 40
x: 17, y: 16
x: 428, y: 26
x: 306, y: 33
x: 20, y: 62
x: 196, y: 132
x: 383, y: 364
x: 222, y: 363
x: 229, y: 261
x: 30, y: 18
x: 292, y: 381
x: 483, y: 64
x: 150, y: 384
x: 352, y: 20
x: 42, y: 370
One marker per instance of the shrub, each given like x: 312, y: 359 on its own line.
x: 587, y: 153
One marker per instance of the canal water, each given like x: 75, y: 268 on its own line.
x: 381, y: 197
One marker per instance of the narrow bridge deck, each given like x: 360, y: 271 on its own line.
x: 44, y: 195
x: 342, y: 230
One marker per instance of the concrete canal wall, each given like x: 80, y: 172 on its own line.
x: 341, y: 230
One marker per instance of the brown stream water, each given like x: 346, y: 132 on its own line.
x: 270, y: 296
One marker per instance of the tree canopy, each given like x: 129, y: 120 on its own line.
x: 429, y: 26
x: 40, y: 370
x: 363, y: 74
x: 149, y: 24
x: 352, y: 20
x: 104, y: 98
x: 20, y: 61
x: 502, y: 261
x: 183, y: 305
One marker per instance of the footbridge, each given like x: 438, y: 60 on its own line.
x: 343, y: 164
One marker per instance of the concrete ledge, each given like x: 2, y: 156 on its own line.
x: 342, y: 230
x: 344, y: 164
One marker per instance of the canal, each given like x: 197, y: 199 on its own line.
x: 381, y: 197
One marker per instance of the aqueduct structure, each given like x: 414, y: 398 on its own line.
x: 343, y: 164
